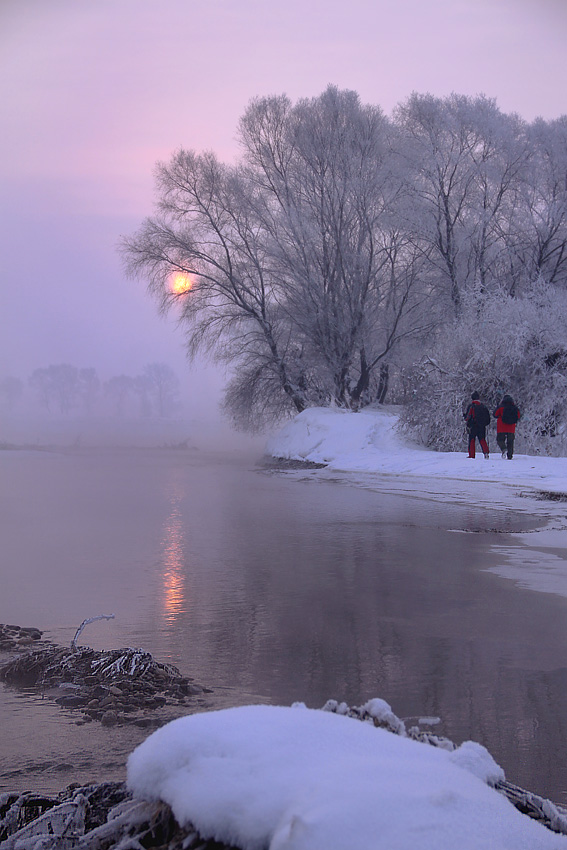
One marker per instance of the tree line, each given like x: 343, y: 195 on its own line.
x: 350, y: 258
x: 63, y: 388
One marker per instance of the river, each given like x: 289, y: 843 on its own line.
x: 278, y: 588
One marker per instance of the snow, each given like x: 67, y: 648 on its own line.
x: 302, y: 779
x: 368, y: 448
x: 369, y: 441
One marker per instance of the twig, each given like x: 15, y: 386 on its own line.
x: 85, y: 623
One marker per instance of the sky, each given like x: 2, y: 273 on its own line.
x: 94, y: 93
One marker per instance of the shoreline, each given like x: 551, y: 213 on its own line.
x: 106, y: 814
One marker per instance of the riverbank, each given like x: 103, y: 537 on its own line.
x: 293, y: 779
x: 370, y: 442
x: 367, y: 449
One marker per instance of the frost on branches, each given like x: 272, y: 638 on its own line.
x: 351, y: 258
x: 501, y: 344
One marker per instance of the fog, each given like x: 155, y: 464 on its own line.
x: 94, y: 94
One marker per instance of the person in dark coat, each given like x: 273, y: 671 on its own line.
x: 477, y: 418
x: 506, y: 417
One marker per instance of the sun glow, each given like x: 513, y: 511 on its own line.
x: 181, y: 283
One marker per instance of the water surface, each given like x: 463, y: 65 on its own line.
x: 265, y: 587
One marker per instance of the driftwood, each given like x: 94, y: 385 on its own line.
x: 86, y: 623
x: 94, y: 817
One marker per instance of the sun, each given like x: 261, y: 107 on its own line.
x: 181, y: 283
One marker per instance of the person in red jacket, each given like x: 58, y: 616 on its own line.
x: 506, y: 417
x: 477, y: 418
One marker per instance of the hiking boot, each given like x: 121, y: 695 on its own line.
x: 503, y: 454
x: 486, y: 455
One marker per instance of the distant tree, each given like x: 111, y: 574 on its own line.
x: 88, y: 388
x: 118, y: 390
x: 162, y: 387
x: 11, y: 390
x: 142, y: 388
x: 56, y: 385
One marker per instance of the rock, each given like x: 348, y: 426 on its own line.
x: 71, y: 701
x: 109, y: 718
x: 35, y: 634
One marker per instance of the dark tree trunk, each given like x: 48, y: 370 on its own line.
x: 383, y: 381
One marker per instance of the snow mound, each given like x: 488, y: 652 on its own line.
x: 369, y: 442
x: 295, y: 778
x: 322, y: 435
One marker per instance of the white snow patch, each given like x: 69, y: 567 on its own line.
x: 369, y: 441
x: 369, y: 448
x: 285, y: 779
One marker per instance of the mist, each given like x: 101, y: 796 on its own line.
x: 93, y: 96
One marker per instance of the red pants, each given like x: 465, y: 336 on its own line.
x: 472, y: 443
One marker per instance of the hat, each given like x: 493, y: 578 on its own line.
x: 475, y: 396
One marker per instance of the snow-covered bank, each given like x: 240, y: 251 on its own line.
x: 370, y: 451
x: 303, y: 779
x: 369, y: 442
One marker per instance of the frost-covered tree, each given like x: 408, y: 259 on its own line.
x: 536, y: 235
x: 298, y: 273
x: 500, y: 344
x: 464, y: 160
x: 347, y: 274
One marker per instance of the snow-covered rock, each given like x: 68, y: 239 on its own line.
x: 300, y: 779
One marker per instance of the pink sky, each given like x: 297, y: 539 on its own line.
x: 94, y: 92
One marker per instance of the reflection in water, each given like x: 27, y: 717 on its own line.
x: 285, y: 589
x: 173, y: 546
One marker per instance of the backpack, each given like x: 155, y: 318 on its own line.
x: 479, y: 414
x: 510, y: 414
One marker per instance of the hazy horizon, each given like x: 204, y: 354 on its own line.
x: 94, y: 94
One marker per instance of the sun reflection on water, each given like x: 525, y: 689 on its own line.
x: 174, y: 602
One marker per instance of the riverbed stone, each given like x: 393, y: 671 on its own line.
x: 109, y: 718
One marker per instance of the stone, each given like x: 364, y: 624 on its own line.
x: 109, y: 718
